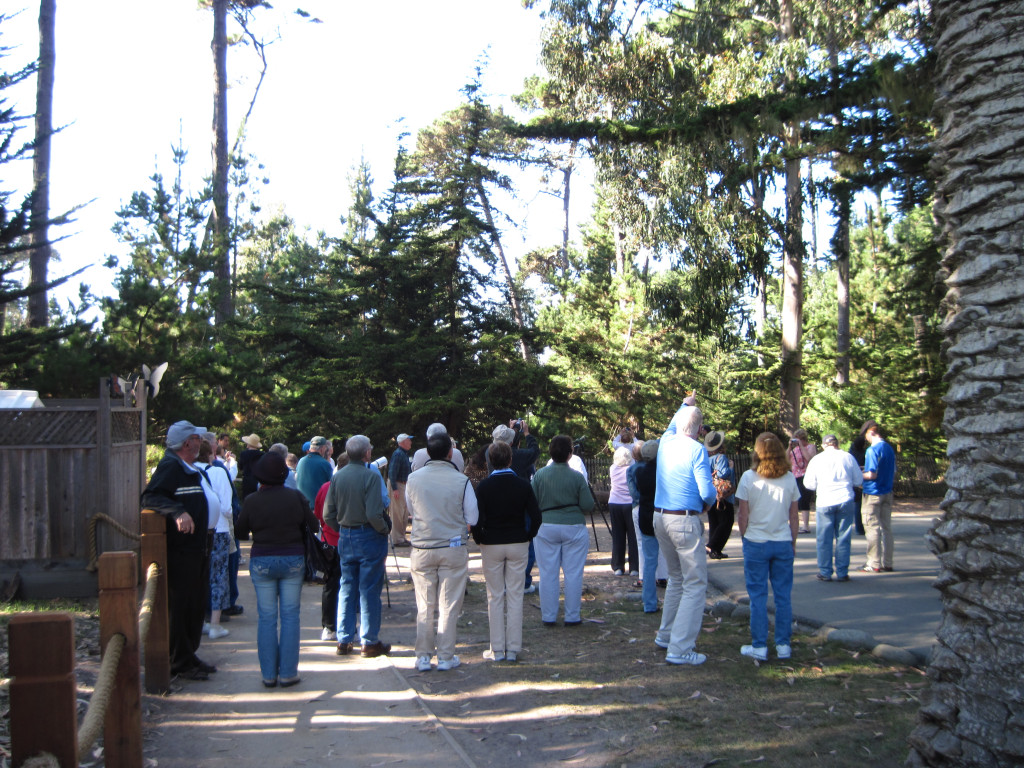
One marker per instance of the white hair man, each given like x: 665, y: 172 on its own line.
x: 684, y: 491
x: 420, y: 458
x: 833, y: 474
x: 443, y: 505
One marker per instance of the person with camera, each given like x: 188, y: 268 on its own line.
x: 355, y: 508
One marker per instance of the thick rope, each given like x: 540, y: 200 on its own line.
x: 148, y: 598
x: 92, y: 724
x: 93, y: 556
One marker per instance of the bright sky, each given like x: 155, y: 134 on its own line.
x: 133, y: 75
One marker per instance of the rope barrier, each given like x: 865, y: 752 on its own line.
x: 42, y: 760
x: 148, y: 598
x: 92, y: 724
x: 93, y: 557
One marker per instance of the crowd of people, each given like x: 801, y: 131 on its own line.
x: 434, y: 501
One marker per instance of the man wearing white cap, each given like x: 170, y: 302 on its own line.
x: 398, y: 472
x: 176, y: 492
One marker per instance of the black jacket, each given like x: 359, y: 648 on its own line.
x: 174, y: 489
x: 508, y: 510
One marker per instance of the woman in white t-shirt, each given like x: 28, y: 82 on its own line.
x: 768, y: 519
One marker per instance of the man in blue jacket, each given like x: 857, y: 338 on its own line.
x: 879, y: 477
x: 684, y: 490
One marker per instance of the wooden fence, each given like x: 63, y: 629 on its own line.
x: 59, y: 466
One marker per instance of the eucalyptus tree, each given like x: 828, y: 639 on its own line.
x: 972, y: 713
x: 707, y: 106
x: 471, y: 143
x: 39, y: 259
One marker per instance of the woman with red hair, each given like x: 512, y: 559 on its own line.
x: 768, y: 519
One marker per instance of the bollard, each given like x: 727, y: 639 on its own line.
x: 119, y: 606
x: 157, y: 642
x: 43, y: 690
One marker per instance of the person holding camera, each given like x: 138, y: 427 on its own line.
x: 355, y: 508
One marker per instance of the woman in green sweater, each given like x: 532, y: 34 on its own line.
x: 562, y: 542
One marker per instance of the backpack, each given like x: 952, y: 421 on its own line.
x: 723, y: 485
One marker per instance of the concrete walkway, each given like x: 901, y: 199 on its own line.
x: 900, y: 608
x: 346, y: 711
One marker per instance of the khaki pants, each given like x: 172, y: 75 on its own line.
x: 504, y: 568
x: 439, y: 578
x: 399, y: 514
x: 878, y: 529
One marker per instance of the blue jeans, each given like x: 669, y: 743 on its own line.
x: 277, y: 580
x: 531, y: 560
x: 764, y: 561
x: 835, y: 525
x: 650, y: 574
x: 363, y: 553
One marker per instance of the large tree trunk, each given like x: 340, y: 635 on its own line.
x: 221, y: 223
x: 841, y: 251
x: 567, y: 170
x: 39, y: 255
x: 974, y: 712
x: 792, y: 267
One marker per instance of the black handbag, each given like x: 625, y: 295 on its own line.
x: 320, y: 556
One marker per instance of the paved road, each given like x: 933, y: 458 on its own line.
x: 899, y: 608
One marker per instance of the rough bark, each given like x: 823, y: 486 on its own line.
x: 221, y: 223
x: 973, y: 714
x: 841, y: 251
x: 792, y: 266
x: 39, y: 255
x: 567, y: 170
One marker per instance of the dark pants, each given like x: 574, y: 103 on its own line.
x: 188, y: 584
x: 858, y: 521
x: 720, y: 519
x: 234, y: 560
x: 623, y: 538
x: 531, y: 560
x: 329, y: 601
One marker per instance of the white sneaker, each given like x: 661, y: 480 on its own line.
x: 423, y: 664
x: 617, y: 572
x: 761, y: 654
x: 329, y: 635
x: 530, y: 589
x: 492, y: 656
x: 206, y: 627
x: 510, y: 656
x: 783, y: 651
x: 692, y: 658
x: 216, y: 630
x: 444, y: 665
x: 660, y: 643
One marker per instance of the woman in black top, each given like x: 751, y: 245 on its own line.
x: 509, y: 519
x: 276, y: 517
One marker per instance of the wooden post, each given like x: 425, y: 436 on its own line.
x: 119, y: 615
x: 157, y: 642
x: 44, y: 702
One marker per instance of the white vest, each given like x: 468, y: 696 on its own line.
x: 436, y: 493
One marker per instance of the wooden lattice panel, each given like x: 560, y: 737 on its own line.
x: 44, y: 426
x: 124, y: 426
